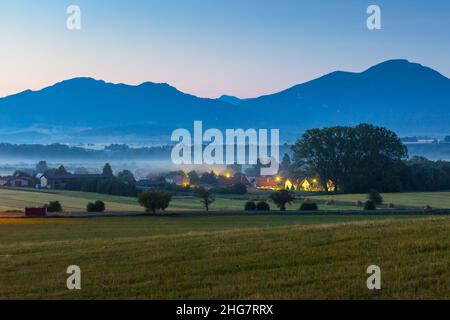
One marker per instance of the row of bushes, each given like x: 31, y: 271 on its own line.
x: 264, y: 206
x: 97, y: 206
x: 306, y: 206
x: 260, y: 206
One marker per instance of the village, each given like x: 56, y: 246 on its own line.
x: 61, y: 179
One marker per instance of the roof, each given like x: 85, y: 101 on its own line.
x: 12, y: 178
x: 266, y: 182
x: 148, y: 182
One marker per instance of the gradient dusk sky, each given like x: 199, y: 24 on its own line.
x: 208, y: 48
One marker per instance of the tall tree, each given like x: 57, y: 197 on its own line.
x: 325, y: 152
x: 107, y: 170
x: 285, y: 166
x: 285, y: 162
x: 61, y: 170
x: 194, y: 178
x: 41, y: 167
x: 356, y: 159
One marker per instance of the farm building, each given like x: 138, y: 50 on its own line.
x: 268, y: 183
x: 12, y: 181
x: 179, y: 180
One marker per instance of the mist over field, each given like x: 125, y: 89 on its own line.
x: 138, y: 158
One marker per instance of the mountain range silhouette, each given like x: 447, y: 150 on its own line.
x: 406, y: 97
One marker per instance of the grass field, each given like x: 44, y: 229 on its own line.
x: 196, y: 256
x: 404, y: 200
x: 226, y: 257
x: 72, y: 201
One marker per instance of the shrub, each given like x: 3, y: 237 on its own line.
x: 262, y: 206
x: 370, y: 205
x: 250, y: 206
x: 375, y: 196
x: 309, y: 206
x: 54, y: 206
x: 97, y: 206
x: 359, y: 203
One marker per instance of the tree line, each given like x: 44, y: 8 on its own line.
x: 358, y: 159
x: 62, y: 151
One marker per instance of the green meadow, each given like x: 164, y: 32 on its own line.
x: 73, y: 201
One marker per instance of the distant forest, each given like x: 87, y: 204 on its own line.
x: 61, y: 152
x: 432, y: 151
x: 112, y: 152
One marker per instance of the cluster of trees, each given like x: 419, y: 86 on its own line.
x: 113, y: 186
x: 356, y: 159
x: 123, y: 184
x: 420, y: 174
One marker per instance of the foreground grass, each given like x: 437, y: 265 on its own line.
x: 267, y: 257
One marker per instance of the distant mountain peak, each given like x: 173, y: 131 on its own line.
x: 403, y: 67
x: 230, y: 99
x: 394, y: 64
x: 81, y: 80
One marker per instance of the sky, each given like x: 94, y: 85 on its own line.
x: 245, y: 48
